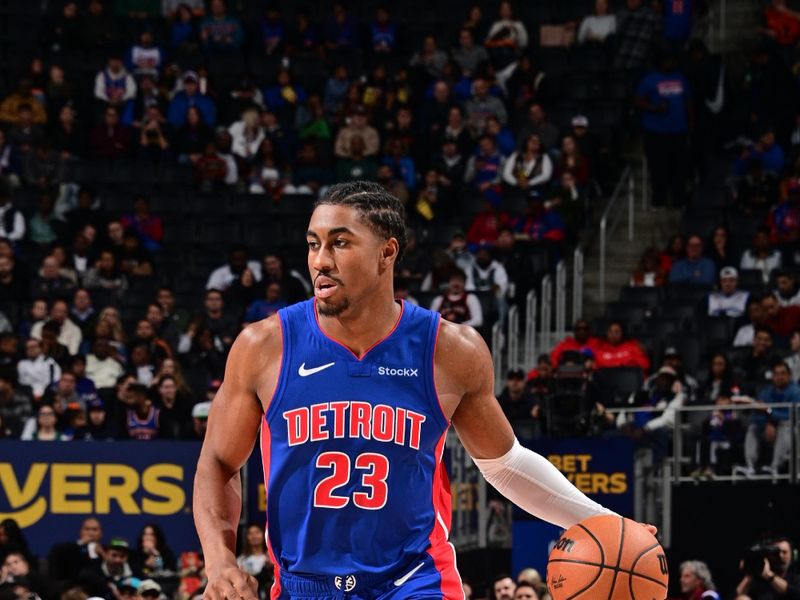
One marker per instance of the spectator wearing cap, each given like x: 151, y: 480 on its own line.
x: 666, y: 396
x: 727, y: 301
x: 220, y: 33
x: 595, y: 28
x: 673, y: 359
x: 580, y: 340
x: 761, y: 255
x: 128, y: 588
x: 516, y: 400
x: 200, y: 419
x: 787, y: 292
x: 694, y: 268
x: 358, y: 125
x: 356, y: 165
x: 97, y: 427
x: 150, y: 589
x: 191, y: 95
x: 103, y: 577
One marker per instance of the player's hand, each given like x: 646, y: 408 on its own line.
x: 231, y: 583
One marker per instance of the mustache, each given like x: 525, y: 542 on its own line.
x: 331, y: 277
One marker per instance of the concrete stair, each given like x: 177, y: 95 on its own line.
x: 651, y: 228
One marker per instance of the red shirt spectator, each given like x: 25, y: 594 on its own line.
x: 616, y: 351
x: 782, y: 24
x: 579, y: 341
x: 486, y: 226
x: 781, y: 320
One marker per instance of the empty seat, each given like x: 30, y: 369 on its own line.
x: 618, y: 383
x: 632, y: 314
x: 644, y: 296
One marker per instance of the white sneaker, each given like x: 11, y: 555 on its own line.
x: 744, y: 470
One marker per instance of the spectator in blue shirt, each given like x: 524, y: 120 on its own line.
x: 695, y: 268
x: 188, y: 97
x: 219, y: 32
x: 677, y: 22
x: 383, y: 34
x: 664, y: 98
x: 766, y: 152
x: 341, y: 32
x: 782, y: 390
x: 273, y: 32
x: 269, y: 305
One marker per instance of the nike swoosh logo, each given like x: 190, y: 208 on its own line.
x: 303, y: 372
x: 407, y: 576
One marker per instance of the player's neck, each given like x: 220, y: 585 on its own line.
x: 363, y: 325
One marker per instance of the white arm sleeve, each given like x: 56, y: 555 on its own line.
x: 531, y: 482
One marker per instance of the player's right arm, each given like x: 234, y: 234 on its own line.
x: 233, y: 425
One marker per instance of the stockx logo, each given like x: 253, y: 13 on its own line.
x: 399, y: 372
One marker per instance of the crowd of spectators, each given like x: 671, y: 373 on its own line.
x: 98, y: 565
x: 103, y: 336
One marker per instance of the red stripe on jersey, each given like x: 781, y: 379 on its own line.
x: 345, y: 346
x: 275, y: 591
x: 442, y: 551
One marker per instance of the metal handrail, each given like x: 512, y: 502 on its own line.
x: 530, y: 328
x: 677, y: 438
x: 561, y: 297
x: 607, y: 230
x: 546, y: 314
x: 513, y: 337
x: 577, y: 284
x: 497, y: 355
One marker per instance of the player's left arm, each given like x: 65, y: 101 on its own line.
x: 521, y: 475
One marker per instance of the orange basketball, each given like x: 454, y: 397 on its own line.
x: 607, y: 558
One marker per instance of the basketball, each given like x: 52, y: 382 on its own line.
x: 607, y: 558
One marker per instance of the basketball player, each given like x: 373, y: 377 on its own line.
x: 353, y: 394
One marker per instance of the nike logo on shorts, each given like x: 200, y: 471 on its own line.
x: 303, y: 372
x: 407, y: 576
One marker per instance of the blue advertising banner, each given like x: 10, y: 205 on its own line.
x: 600, y: 468
x: 48, y: 488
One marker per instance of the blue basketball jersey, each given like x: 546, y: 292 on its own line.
x: 352, y: 452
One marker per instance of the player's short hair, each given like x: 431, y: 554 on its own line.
x: 380, y: 210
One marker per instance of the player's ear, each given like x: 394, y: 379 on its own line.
x: 389, y: 253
